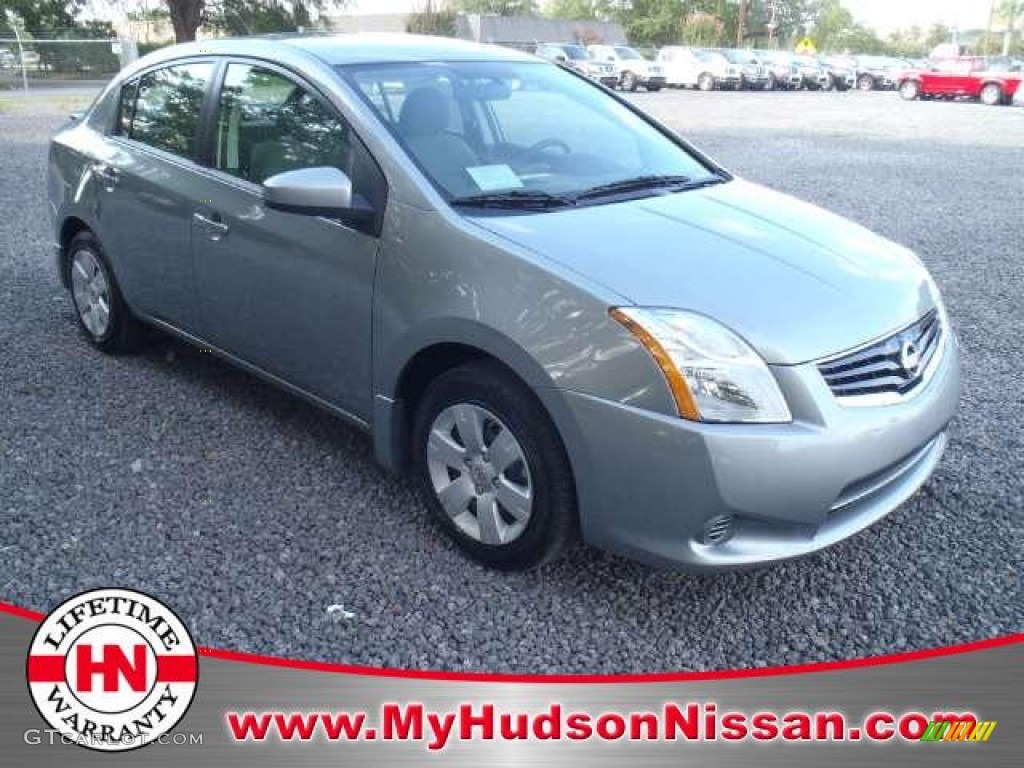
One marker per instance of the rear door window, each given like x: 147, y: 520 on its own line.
x: 167, y: 106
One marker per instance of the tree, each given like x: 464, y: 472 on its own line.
x: 704, y: 29
x: 1010, y: 10
x: 500, y: 7
x: 653, y: 22
x: 257, y: 17
x: 40, y: 18
x: 431, y: 21
x: 832, y: 23
x: 580, y: 9
x: 244, y: 17
x: 186, y: 16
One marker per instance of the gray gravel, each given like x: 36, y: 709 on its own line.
x: 252, y: 513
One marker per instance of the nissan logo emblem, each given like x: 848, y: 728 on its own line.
x: 910, y: 358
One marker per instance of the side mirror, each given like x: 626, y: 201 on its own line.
x: 318, y: 191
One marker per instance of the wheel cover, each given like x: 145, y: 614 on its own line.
x: 479, y: 472
x: 91, y: 292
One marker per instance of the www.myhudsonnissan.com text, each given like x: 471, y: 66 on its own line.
x: 673, y: 722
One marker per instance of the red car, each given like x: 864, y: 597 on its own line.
x: 970, y: 76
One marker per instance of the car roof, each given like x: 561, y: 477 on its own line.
x: 339, y: 49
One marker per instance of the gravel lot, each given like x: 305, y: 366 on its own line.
x: 251, y: 513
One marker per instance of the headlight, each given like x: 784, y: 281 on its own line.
x: 714, y: 375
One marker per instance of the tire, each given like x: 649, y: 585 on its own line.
x: 653, y: 88
x: 991, y: 95
x: 865, y: 83
x: 910, y: 89
x: 114, y: 330
x: 772, y: 84
x: 486, y: 395
x: 629, y: 82
x: 706, y: 82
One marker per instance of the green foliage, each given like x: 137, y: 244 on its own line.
x: 431, y: 22
x: 654, y: 22
x: 581, y: 9
x: 257, y: 17
x: 703, y: 29
x: 500, y: 7
x: 40, y: 18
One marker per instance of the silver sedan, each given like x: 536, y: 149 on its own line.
x: 558, y: 315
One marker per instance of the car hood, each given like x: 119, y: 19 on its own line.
x: 797, y: 282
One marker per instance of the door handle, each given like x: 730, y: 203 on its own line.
x: 108, y: 176
x: 215, y: 228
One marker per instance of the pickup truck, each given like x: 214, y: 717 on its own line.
x: 971, y: 77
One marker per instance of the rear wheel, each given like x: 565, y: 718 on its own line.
x: 910, y: 89
x: 866, y: 83
x: 706, y: 82
x: 493, y: 468
x: 991, y: 95
x: 772, y: 84
x: 99, y: 307
x: 629, y: 81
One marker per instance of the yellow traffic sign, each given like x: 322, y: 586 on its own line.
x: 806, y: 46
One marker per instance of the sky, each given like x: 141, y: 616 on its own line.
x: 881, y: 14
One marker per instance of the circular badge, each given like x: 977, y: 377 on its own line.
x: 112, y: 669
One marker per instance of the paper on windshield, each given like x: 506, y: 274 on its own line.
x: 492, y: 177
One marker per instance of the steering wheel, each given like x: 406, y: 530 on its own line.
x: 544, y: 144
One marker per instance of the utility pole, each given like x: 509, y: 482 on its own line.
x: 21, y: 51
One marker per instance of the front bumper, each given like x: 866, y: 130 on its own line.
x: 649, y: 484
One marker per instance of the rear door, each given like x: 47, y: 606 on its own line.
x: 148, y: 189
x: 289, y: 293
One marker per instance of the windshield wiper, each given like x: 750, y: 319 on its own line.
x: 638, y: 183
x: 514, y: 198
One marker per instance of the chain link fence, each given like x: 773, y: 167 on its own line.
x: 27, y: 63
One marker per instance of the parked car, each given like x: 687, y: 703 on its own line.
x: 7, y: 59
x: 969, y: 77
x: 783, y: 72
x: 813, y: 75
x: 754, y: 75
x: 577, y: 58
x: 30, y: 59
x: 556, y: 325
x: 695, y: 68
x: 632, y: 68
x: 874, y: 73
x: 842, y: 70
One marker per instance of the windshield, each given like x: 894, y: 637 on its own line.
x: 625, y: 52
x: 575, y: 52
x: 738, y: 57
x: 488, y: 127
x: 711, y: 57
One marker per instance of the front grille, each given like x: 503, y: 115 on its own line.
x: 894, y: 366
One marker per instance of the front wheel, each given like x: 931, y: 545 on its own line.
x: 866, y: 83
x: 492, y: 467
x: 706, y: 82
x: 910, y: 90
x: 991, y: 94
x: 629, y: 82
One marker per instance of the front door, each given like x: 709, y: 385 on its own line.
x: 290, y: 293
